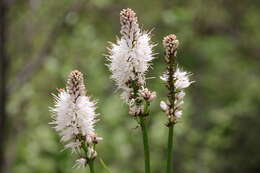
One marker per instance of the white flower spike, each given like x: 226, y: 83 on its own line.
x: 74, y: 115
x: 176, y: 80
x: 131, y: 56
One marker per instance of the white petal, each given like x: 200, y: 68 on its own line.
x: 180, y: 95
x: 80, y: 163
x: 163, y: 106
x: 178, y: 114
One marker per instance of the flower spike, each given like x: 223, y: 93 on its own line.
x: 131, y: 56
x: 176, y: 81
x: 74, y: 118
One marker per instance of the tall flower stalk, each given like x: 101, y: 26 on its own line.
x: 176, y: 81
x: 130, y: 58
x: 74, y: 118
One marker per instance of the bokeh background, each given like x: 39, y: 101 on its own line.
x: 43, y: 40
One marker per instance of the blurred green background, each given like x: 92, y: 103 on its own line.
x: 219, y: 44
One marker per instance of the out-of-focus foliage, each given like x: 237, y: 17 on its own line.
x: 219, y: 44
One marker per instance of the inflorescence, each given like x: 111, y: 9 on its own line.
x: 130, y: 58
x: 74, y: 118
x: 176, y: 81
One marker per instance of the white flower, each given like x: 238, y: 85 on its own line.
x: 178, y: 113
x: 180, y: 82
x: 178, y: 103
x: 176, y: 79
x: 180, y: 95
x: 74, y: 119
x: 80, y: 163
x: 163, y: 106
x: 132, y: 54
x: 91, y: 152
x: 74, y: 114
x: 181, y: 79
x: 164, y: 77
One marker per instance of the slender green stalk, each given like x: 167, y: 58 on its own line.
x: 169, y: 150
x: 146, y: 145
x: 91, y: 166
x: 141, y: 121
x: 104, y: 166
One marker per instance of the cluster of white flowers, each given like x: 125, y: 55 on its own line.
x: 181, y: 81
x: 176, y: 79
x: 74, y: 113
x: 131, y: 56
x: 74, y: 116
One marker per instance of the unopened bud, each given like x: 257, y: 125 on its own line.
x: 163, y: 106
x: 148, y: 95
x: 170, y: 44
x: 75, y: 84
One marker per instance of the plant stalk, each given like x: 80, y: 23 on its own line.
x: 169, y: 150
x: 104, y: 166
x: 146, y: 145
x: 91, y: 166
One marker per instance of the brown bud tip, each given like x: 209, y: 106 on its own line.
x: 127, y: 15
x: 170, y: 44
x: 75, y: 84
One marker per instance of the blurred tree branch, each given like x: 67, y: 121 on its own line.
x: 18, y: 123
x: 35, y: 64
x: 3, y: 79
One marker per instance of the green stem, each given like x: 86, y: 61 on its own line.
x: 91, y: 166
x: 169, y: 150
x: 146, y: 145
x: 104, y: 166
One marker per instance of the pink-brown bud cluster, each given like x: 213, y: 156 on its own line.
x: 75, y: 84
x: 170, y: 44
x: 127, y: 16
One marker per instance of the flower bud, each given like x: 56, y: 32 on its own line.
x: 170, y: 44
x: 163, y: 106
